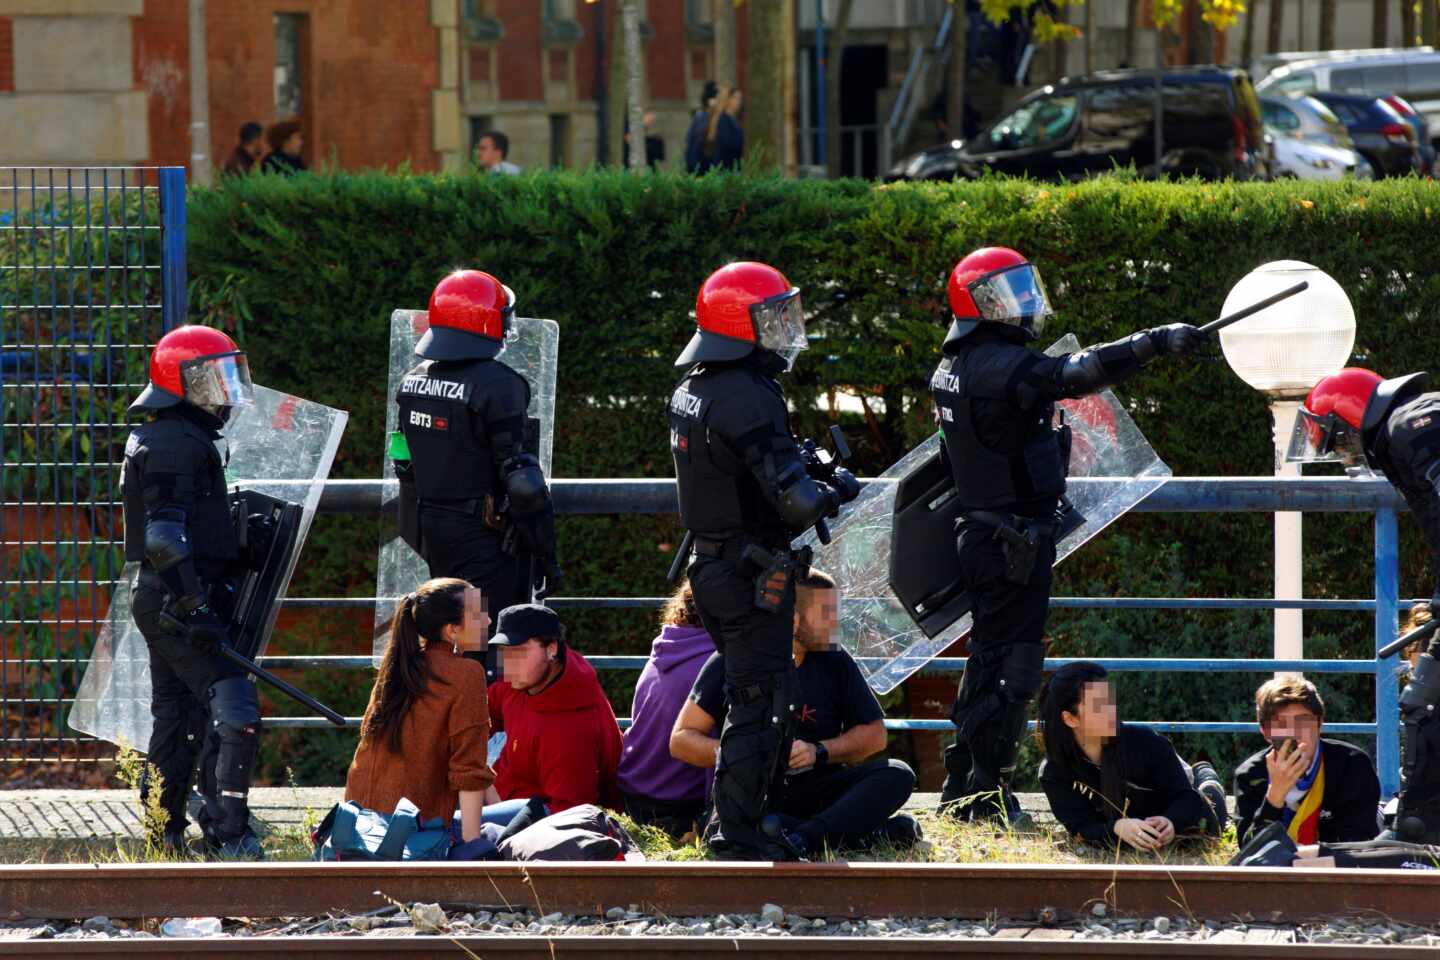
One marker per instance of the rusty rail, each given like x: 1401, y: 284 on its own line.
x: 628, y: 948
x: 821, y: 890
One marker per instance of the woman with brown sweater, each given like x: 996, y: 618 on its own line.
x: 425, y: 731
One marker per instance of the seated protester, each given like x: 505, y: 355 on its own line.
x: 562, y: 742
x: 1105, y: 779
x: 658, y: 789
x: 837, y: 792
x: 1322, y: 791
x: 425, y: 730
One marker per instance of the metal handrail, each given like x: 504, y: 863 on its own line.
x: 1178, y: 494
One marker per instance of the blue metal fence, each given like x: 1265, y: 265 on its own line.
x: 1182, y: 494
x: 84, y: 292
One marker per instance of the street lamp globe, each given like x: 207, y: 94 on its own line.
x: 1285, y: 349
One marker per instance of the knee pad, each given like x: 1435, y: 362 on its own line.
x: 1021, y: 670
x: 235, y: 706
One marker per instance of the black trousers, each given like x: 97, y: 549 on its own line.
x: 760, y: 690
x: 1003, y: 670
x: 459, y: 544
x: 843, y: 806
x: 182, y: 679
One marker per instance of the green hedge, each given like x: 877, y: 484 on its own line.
x: 307, y: 270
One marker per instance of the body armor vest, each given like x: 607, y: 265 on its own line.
x: 1003, y: 456
x: 442, y: 406
x: 715, y: 415
x: 178, y: 461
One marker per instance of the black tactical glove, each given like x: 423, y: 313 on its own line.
x: 847, y: 488
x: 193, y: 621
x: 1177, y: 339
x: 547, y: 584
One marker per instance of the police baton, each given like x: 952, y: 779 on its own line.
x: 1254, y: 308
x: 682, y: 556
x: 1395, y: 646
x: 291, y: 691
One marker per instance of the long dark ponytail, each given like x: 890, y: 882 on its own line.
x: 1062, y: 748
x: 405, y: 674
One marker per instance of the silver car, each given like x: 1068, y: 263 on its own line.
x: 1309, y: 141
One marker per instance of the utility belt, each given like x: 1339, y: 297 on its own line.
x: 1020, y: 539
x: 482, y: 507
x: 777, y: 567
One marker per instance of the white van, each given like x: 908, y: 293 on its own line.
x: 1414, y: 75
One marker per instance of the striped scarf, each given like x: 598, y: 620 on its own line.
x: 1302, y: 823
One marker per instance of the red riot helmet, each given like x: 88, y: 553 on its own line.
x: 996, y: 285
x: 743, y: 307
x: 1344, y: 412
x: 469, y: 315
x: 200, y: 366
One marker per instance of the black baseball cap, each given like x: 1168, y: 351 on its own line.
x: 519, y: 623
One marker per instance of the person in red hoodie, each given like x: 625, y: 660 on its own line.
x: 562, y: 742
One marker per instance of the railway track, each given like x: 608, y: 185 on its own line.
x: 611, y: 948
x: 1028, y: 894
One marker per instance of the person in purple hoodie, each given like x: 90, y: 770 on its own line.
x: 658, y: 789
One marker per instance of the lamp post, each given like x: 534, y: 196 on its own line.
x: 1282, y: 351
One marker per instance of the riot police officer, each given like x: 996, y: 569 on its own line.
x: 745, y: 492
x: 1393, y: 426
x: 473, y: 490
x: 178, y: 526
x: 995, y: 404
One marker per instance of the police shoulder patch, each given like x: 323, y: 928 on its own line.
x: 685, y: 404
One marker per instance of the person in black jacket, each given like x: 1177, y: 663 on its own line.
x: 1106, y: 780
x: 178, y: 526
x: 472, y: 492
x: 995, y: 403
x: 747, y: 490
x: 1320, y: 790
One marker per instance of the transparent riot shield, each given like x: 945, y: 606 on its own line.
x: 875, y: 626
x: 281, y: 446
x: 532, y: 350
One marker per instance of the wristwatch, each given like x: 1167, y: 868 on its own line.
x: 822, y: 755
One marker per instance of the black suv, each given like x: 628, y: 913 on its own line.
x: 1091, y: 124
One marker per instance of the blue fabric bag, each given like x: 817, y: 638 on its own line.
x: 351, y: 832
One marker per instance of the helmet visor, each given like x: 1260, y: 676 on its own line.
x: 222, y: 380
x: 507, y: 314
x: 1014, y: 295
x: 780, y: 325
x: 1326, y: 439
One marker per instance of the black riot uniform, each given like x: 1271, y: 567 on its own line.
x: 1401, y: 437
x: 464, y: 422
x: 743, y: 486
x: 746, y: 491
x: 178, y: 526
x: 473, y: 495
x: 995, y: 402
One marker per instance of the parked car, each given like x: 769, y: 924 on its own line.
x: 1309, y: 141
x: 1091, y: 124
x: 1412, y: 74
x: 1422, y: 131
x: 1381, y: 135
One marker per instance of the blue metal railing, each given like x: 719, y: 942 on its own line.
x: 1181, y: 494
x: 92, y: 271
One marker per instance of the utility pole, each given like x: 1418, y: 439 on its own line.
x: 200, y: 173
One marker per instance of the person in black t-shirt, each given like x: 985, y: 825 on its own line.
x: 1105, y: 779
x: 839, y: 791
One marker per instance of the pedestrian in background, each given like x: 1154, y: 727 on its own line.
x: 248, y: 151
x: 724, y: 137
x: 491, y: 152
x: 699, y: 121
x: 286, y: 141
